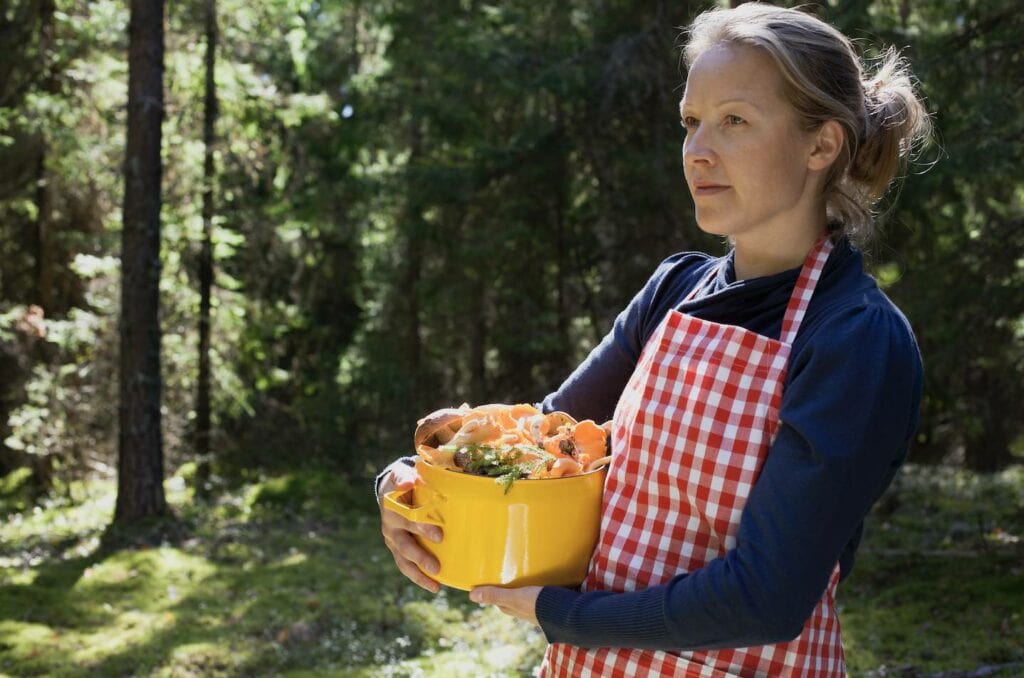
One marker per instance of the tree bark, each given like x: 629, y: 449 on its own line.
x: 560, y: 201
x: 478, y: 339
x: 411, y: 284
x: 987, y: 444
x: 140, y: 491
x: 413, y: 256
x: 206, y: 256
x: 42, y: 239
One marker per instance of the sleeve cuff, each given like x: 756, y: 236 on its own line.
x: 604, y: 618
x: 551, y: 610
x: 408, y: 461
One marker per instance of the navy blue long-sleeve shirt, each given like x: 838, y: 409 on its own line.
x: 849, y: 410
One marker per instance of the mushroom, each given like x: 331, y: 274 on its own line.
x: 439, y: 458
x: 589, y: 439
x: 565, y: 466
x: 558, y: 419
x: 437, y: 428
x: 476, y: 431
x: 536, y: 426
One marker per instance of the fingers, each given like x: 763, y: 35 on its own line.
x: 404, y: 547
x: 404, y: 485
x: 415, y: 562
x: 520, y: 602
x: 503, y: 599
x: 403, y: 477
x: 400, y: 477
x: 412, y: 572
x: 392, y: 522
x: 411, y: 558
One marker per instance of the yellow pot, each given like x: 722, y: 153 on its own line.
x: 542, y: 532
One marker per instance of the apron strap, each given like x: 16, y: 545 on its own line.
x: 810, y: 273
x: 704, y: 282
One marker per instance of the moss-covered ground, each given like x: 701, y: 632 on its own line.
x: 288, y: 576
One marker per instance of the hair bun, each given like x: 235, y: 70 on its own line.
x: 895, y: 124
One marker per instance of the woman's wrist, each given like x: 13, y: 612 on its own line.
x: 386, y: 480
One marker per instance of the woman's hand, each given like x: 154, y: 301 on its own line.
x: 517, y: 602
x: 399, y: 532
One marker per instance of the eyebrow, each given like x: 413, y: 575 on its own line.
x: 735, y: 100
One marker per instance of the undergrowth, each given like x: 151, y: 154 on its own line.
x: 288, y: 575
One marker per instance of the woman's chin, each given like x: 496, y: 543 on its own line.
x: 713, y: 226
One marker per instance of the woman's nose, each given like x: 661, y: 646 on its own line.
x: 697, y: 147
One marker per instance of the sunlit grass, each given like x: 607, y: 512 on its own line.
x: 289, y: 576
x: 286, y: 576
x: 68, y: 525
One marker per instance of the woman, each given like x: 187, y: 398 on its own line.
x: 761, y: 401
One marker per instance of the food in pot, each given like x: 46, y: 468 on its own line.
x: 511, y: 442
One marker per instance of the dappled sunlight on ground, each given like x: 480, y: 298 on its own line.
x: 290, y: 576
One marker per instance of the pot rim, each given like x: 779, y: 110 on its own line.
x: 489, y: 479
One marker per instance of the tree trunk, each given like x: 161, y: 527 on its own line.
x: 414, y: 342
x: 987, y: 444
x: 413, y: 256
x: 43, y: 238
x: 560, y: 200
x: 140, y: 491
x: 478, y: 339
x: 206, y: 256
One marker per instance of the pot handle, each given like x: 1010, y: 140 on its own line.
x: 417, y: 514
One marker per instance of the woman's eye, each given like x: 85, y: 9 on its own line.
x: 734, y: 120
x: 689, y: 122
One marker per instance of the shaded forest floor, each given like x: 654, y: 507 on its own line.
x: 288, y: 575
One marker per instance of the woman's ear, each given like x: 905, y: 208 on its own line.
x: 827, y: 145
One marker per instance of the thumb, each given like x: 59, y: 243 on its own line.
x: 404, y: 485
x: 405, y: 478
x: 484, y: 595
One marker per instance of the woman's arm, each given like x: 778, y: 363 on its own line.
x: 593, y: 389
x: 848, y: 412
x: 590, y: 392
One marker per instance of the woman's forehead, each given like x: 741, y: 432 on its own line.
x: 733, y: 72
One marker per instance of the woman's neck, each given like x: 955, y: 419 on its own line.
x: 762, y: 254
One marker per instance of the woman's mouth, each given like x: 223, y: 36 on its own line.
x: 708, y: 189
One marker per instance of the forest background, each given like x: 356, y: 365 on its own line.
x: 409, y: 205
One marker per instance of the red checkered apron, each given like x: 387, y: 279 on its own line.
x: 691, y: 432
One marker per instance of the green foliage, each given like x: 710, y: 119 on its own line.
x: 16, y: 491
x: 938, y: 582
x: 311, y: 493
x: 417, y: 206
x: 250, y: 592
x: 266, y: 590
x: 955, y: 233
x: 62, y: 417
x: 934, y: 614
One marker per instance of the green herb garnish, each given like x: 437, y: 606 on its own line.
x: 504, y: 463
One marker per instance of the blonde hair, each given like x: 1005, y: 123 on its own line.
x: 882, y: 116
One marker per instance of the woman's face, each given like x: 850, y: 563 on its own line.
x: 745, y: 157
